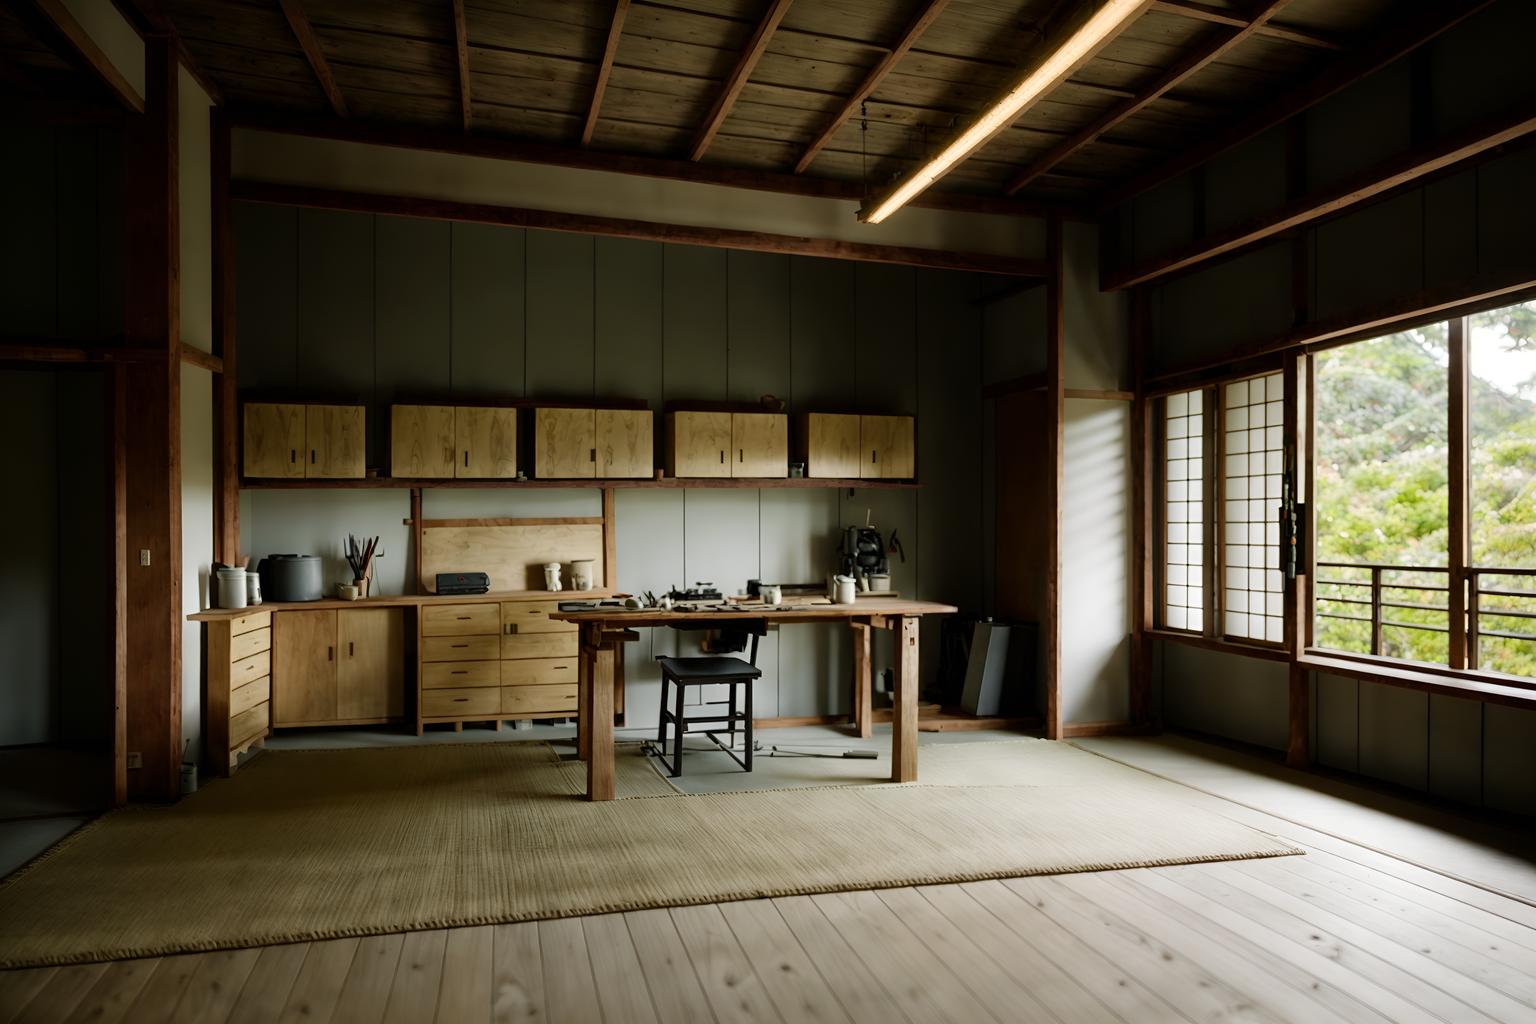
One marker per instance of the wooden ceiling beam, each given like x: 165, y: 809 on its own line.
x: 1216, y: 16
x: 1221, y: 42
x: 605, y: 68
x: 925, y: 16
x: 502, y: 148
x: 1427, y: 20
x: 623, y: 227
x: 60, y: 31
x: 756, y: 47
x: 293, y: 10
x: 461, y: 48
x: 148, y: 17
x: 1385, y: 178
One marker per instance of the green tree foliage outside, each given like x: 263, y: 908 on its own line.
x: 1382, y: 488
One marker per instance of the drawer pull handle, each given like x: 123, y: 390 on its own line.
x: 459, y: 672
x: 463, y: 618
x: 461, y: 700
x: 458, y: 645
x: 561, y: 666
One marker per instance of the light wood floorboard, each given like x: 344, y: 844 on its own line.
x: 1345, y: 933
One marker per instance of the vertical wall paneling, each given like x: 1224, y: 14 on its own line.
x: 486, y: 314
x: 821, y: 318
x: 757, y: 302
x: 628, y: 321
x: 1509, y: 759
x: 694, y: 289
x: 411, y: 342
x: 1338, y: 724
x: 79, y: 250
x: 267, y: 291
x: 29, y: 246
x: 1455, y: 744
x: 886, y: 339
x: 335, y: 334
x: 649, y: 549
x: 559, y: 351
x: 84, y: 514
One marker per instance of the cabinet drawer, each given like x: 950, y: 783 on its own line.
x: 460, y: 620
x: 249, y: 695
x: 435, y: 674
x: 532, y: 617
x: 477, y: 702
x: 460, y: 648
x: 248, y: 723
x: 539, y: 645
x: 530, y: 700
x: 538, y: 670
x: 249, y: 621
x: 250, y: 669
x: 247, y: 644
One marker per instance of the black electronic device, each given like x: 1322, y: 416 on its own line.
x: 700, y: 591
x: 463, y: 583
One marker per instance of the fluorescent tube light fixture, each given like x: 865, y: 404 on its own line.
x: 1098, y: 29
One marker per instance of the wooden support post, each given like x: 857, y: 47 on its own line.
x: 863, y: 684
x: 1055, y: 388
x: 118, y: 477
x: 226, y: 404
x: 1460, y: 553
x: 904, y: 714
x: 1144, y: 553
x: 600, y: 783
x: 1297, y: 608
x: 150, y: 484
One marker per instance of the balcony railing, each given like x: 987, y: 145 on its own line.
x: 1404, y: 611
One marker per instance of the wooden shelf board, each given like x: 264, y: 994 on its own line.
x: 690, y: 483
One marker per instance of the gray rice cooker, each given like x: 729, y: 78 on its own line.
x: 291, y: 578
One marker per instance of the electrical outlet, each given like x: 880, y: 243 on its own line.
x: 135, y: 759
x: 144, y: 556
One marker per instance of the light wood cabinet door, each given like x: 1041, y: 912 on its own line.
x: 421, y: 441
x: 624, y: 443
x: 565, y: 444
x: 759, y: 444
x: 888, y: 448
x: 832, y: 446
x: 274, y: 440
x: 338, y: 446
x: 370, y: 672
x: 699, y: 443
x: 487, y: 440
x: 303, y: 667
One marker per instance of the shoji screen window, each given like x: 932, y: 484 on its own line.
x: 1253, y: 459
x: 1184, y: 511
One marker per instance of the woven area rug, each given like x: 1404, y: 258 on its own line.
x: 305, y: 845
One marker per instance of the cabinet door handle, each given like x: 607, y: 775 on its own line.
x: 293, y: 455
x: 741, y: 455
x: 722, y: 456
x: 591, y: 454
x: 311, y: 456
x: 351, y: 649
x: 871, y: 455
x: 466, y: 457
x: 330, y: 654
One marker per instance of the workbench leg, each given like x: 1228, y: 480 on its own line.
x: 584, y: 702
x: 904, y: 713
x: 863, y: 684
x: 600, y: 726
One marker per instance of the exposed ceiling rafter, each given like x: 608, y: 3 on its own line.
x: 1202, y: 12
x: 310, y: 44
x: 461, y: 52
x: 605, y: 68
x: 756, y: 46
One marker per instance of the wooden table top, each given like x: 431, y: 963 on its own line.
x: 398, y: 601
x: 787, y: 612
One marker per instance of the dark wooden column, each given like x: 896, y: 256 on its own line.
x: 1055, y: 408
x: 151, y: 480
x: 226, y: 471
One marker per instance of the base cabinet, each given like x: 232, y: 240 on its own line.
x: 333, y: 667
x: 495, y: 661
x: 237, y: 689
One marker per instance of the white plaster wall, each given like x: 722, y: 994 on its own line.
x: 196, y: 535
x: 195, y: 190
x: 363, y: 167
x: 1095, y: 561
x: 1096, y: 325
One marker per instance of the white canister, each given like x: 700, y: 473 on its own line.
x: 552, y: 576
x: 879, y: 582
x: 843, y: 590
x: 231, y: 588
x: 581, y: 574
x: 772, y: 593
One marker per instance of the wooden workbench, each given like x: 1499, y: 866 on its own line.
x: 595, y: 678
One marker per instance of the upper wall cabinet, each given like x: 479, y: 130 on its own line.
x: 848, y: 447
x: 445, y: 441
x: 314, y: 441
x: 728, y: 444
x: 572, y: 443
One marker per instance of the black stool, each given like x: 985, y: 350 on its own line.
x: 685, y: 672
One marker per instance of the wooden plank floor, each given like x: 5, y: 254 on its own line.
x: 1342, y: 934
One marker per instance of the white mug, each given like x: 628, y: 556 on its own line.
x: 772, y: 594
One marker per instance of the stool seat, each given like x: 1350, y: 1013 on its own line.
x: 709, y: 669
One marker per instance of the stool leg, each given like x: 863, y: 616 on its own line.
x: 677, y: 734
x: 749, y: 726
x: 732, y: 712
x: 661, y: 719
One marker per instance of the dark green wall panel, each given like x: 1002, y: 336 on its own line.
x: 821, y: 319
x: 628, y: 323
x: 29, y: 244
x: 335, y: 303
x: 487, y: 314
x: 266, y: 295
x: 885, y: 337
x: 411, y: 346
x: 757, y: 325
x: 79, y: 252
x: 694, y: 360
x: 559, y: 339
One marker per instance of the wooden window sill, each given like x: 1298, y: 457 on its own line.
x: 1469, y: 685
x: 1214, y: 644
